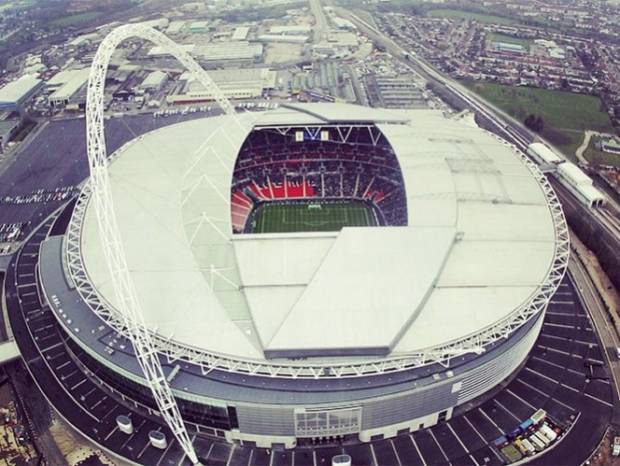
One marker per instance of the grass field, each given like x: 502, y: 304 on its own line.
x: 566, y: 115
x: 497, y: 37
x: 481, y: 18
x: 287, y: 218
x: 76, y: 19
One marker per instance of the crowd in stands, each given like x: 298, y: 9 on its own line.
x: 274, y: 166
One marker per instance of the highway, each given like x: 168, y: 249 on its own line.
x: 321, y: 28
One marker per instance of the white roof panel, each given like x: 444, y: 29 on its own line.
x: 269, y: 306
x: 284, y: 259
x: 14, y: 91
x: 329, y: 112
x: 452, y: 313
x: 361, y: 291
x: 574, y: 174
x: 365, y: 291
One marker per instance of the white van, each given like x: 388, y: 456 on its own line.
x: 542, y: 438
x: 538, y: 444
x: 528, y: 446
x: 548, y: 432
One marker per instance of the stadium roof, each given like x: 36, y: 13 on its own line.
x: 479, y: 242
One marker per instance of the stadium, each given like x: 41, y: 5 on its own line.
x: 319, y: 271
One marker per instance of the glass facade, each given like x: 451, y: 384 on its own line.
x: 217, y: 417
x: 327, y: 422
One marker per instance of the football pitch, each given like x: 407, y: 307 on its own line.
x: 287, y: 218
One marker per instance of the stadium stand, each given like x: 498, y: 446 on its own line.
x: 274, y: 166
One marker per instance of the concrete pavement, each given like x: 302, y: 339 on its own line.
x: 593, y: 303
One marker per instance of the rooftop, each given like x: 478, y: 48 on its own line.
x: 479, y: 242
x: 16, y: 90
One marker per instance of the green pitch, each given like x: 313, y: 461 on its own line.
x: 273, y: 218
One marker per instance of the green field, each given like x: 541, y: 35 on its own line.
x: 566, y: 115
x: 497, y: 37
x: 287, y: 218
x: 481, y: 18
x: 76, y: 19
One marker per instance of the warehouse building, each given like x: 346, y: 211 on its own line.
x: 234, y: 83
x: 287, y: 38
x: 67, y: 84
x: 16, y: 93
x: 241, y: 33
x: 175, y: 27
x: 227, y: 52
x: 154, y: 81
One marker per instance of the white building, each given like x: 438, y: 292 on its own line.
x: 301, y: 30
x: 67, y: 83
x: 241, y: 33
x: 15, y: 93
x: 175, y: 27
x: 288, y: 38
x: 228, y: 51
x: 246, y: 83
x: 154, y: 81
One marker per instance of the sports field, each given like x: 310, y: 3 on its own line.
x: 566, y: 115
x: 480, y: 17
x: 287, y: 218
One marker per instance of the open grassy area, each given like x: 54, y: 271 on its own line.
x: 566, y: 115
x: 76, y: 19
x: 286, y: 218
x: 481, y: 18
x: 498, y: 37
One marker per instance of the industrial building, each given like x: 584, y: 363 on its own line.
x: 287, y: 38
x: 16, y: 93
x: 66, y: 85
x: 199, y: 27
x: 228, y: 52
x: 394, y: 92
x: 292, y: 30
x: 245, y: 83
x: 154, y: 81
x: 240, y: 33
x: 176, y: 27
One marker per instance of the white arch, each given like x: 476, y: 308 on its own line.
x: 128, y: 303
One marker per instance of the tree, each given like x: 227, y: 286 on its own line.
x: 539, y: 124
x: 529, y: 121
x: 534, y: 122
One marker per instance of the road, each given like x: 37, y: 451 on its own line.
x: 607, y: 334
x: 584, y: 145
x: 321, y: 27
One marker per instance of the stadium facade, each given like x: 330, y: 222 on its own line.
x: 360, y: 333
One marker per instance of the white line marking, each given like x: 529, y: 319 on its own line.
x: 417, y: 449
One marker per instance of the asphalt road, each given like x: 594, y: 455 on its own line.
x: 607, y: 334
